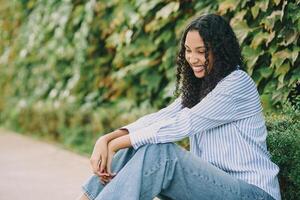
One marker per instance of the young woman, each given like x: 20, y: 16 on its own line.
x: 218, y: 108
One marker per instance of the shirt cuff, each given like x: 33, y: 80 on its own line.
x: 130, y: 127
x: 147, y: 135
x: 143, y: 136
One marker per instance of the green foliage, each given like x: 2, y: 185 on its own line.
x: 269, y: 35
x: 75, y: 70
x: 89, y: 53
x: 284, y: 145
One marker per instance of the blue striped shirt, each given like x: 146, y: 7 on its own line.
x: 226, y: 128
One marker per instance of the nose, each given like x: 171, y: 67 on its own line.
x: 194, y: 60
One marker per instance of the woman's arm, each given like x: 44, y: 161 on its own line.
x: 119, y: 143
x: 115, y: 134
x: 235, y: 98
x: 167, y: 112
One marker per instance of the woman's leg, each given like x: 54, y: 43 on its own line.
x: 169, y: 170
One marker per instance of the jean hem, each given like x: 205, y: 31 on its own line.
x: 88, y: 194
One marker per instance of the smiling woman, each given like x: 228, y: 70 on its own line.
x: 195, y: 54
x: 218, y: 108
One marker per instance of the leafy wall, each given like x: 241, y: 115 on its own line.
x: 92, y: 53
x: 94, y: 57
x: 77, y: 69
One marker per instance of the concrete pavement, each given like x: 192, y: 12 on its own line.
x: 35, y: 170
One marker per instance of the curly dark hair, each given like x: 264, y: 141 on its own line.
x: 218, y: 37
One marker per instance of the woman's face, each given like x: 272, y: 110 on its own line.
x: 195, y: 54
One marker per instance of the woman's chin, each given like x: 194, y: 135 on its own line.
x: 199, y: 74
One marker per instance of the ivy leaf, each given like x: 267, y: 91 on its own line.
x: 292, y: 12
x: 262, y: 37
x: 180, y: 26
x: 256, y: 77
x: 145, y: 6
x: 241, y: 29
x: 295, y: 76
x: 135, y: 68
x: 155, y: 25
x: 227, y: 5
x: 251, y: 56
x: 152, y: 80
x: 265, y: 72
x: 254, y: 11
x: 294, y: 54
x: 280, y: 56
x: 164, y: 37
x: 266, y: 101
x: 239, y: 16
x: 290, y: 35
x: 268, y: 22
x: 277, y: 2
x: 166, y: 11
x: 270, y: 87
x: 259, y: 5
x: 283, y: 69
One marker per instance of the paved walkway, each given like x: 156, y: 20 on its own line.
x: 35, y: 170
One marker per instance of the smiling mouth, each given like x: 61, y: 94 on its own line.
x: 198, y: 69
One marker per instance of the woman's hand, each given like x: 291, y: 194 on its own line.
x: 114, y: 146
x: 110, y: 155
x: 98, y: 160
x: 99, y: 156
x: 103, y: 153
x: 107, y: 175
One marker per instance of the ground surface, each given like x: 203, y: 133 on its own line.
x: 31, y: 169
x: 36, y: 170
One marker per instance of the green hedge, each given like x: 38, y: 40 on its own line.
x: 284, y: 144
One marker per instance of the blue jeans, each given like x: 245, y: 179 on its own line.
x: 168, y: 171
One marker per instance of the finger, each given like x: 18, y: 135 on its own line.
x: 97, y: 173
x: 105, y: 179
x: 95, y: 165
x: 104, y: 174
x: 102, y: 182
x: 103, y: 164
x: 98, y: 170
x: 109, y: 161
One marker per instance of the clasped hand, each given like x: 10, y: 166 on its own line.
x: 101, y: 160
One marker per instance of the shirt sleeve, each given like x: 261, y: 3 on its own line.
x: 219, y: 107
x: 146, y: 120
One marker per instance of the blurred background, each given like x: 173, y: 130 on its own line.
x: 71, y: 71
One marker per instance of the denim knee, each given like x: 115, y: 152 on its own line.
x: 154, y: 153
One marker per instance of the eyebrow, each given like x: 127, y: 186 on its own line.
x: 200, y: 47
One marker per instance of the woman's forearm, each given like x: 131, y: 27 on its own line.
x: 120, y: 143
x: 115, y: 134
